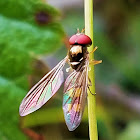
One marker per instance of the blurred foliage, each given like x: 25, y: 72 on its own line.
x: 10, y: 97
x: 119, y: 43
x: 25, y: 10
x: 132, y: 132
x: 28, y: 29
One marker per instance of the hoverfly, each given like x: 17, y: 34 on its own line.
x: 75, y: 86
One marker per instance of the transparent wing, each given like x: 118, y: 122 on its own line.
x: 43, y: 90
x: 75, y: 94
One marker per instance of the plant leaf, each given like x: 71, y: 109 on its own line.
x: 28, y: 29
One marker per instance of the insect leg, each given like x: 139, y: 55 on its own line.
x: 78, y: 30
x: 90, y: 91
x: 95, y: 48
x: 69, y: 69
x: 94, y: 62
x: 89, y: 84
x: 83, y: 30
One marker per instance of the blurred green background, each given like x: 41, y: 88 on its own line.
x: 33, y: 39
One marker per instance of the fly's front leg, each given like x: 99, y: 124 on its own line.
x: 95, y: 48
x: 69, y: 69
x: 94, y: 62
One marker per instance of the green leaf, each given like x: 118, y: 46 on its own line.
x: 24, y: 36
x: 20, y: 42
x: 10, y: 97
x: 25, y: 9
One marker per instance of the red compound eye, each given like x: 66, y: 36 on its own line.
x: 73, y: 39
x: 80, y: 39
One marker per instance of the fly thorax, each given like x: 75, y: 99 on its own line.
x: 76, y: 49
x: 76, y: 55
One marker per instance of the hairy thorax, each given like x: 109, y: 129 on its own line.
x: 76, y: 55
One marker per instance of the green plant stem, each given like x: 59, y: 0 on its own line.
x: 91, y: 98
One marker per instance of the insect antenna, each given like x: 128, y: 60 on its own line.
x: 83, y: 30
x: 78, y: 31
